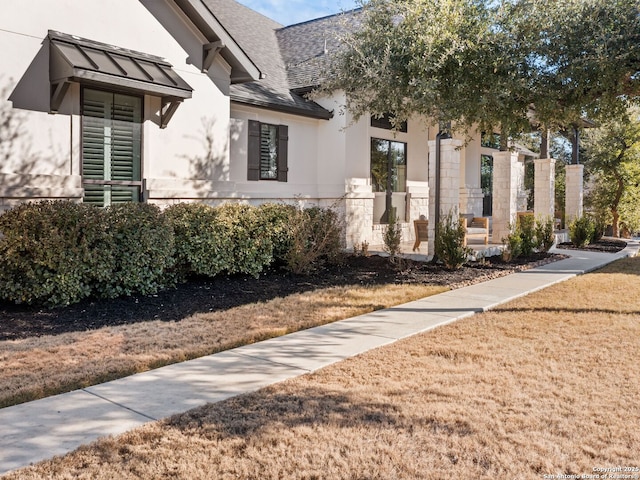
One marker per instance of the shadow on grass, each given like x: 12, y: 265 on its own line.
x: 593, y: 311
x: 252, y: 414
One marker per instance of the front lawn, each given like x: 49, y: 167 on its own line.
x: 545, y: 385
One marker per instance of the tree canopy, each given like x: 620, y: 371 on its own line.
x: 491, y: 64
x: 612, y: 155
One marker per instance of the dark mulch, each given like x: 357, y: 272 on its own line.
x: 207, y: 295
x: 608, y: 245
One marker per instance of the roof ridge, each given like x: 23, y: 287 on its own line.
x: 326, y: 17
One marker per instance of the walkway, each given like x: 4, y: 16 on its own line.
x: 56, y: 425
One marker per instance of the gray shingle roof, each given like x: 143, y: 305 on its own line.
x: 257, y: 36
x: 306, y: 47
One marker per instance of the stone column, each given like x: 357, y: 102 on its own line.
x: 418, y: 200
x: 544, y: 187
x: 450, y: 155
x: 573, y: 192
x: 358, y: 212
x: 506, y: 173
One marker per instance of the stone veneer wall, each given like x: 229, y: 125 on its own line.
x: 544, y: 187
x: 506, y: 175
x: 450, y: 158
x: 574, y: 192
x: 19, y: 188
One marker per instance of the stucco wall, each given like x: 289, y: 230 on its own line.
x: 49, y: 145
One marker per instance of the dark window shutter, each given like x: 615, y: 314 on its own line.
x: 283, y: 153
x: 253, y: 151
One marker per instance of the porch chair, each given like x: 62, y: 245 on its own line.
x: 475, y: 227
x: 421, y: 229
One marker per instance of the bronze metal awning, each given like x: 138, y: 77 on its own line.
x: 75, y: 59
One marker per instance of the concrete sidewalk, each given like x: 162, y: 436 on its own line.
x: 56, y: 425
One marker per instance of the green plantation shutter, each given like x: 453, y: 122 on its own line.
x: 111, y: 147
x: 125, y: 150
x: 253, y: 151
x: 283, y: 153
x: 93, y: 138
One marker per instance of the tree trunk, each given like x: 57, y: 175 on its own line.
x: 616, y: 220
x: 614, y: 206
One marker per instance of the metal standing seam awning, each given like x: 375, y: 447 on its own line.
x: 75, y: 59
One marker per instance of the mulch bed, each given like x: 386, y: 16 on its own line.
x: 207, y: 295
x: 608, y: 245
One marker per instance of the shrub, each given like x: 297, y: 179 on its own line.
x: 278, y: 219
x: 251, y: 248
x: 449, y: 242
x: 527, y: 229
x: 581, y: 231
x: 512, y: 244
x: 53, y: 252
x: 544, y: 233
x: 202, y: 243
x: 599, y: 225
x: 315, y: 240
x: 392, y: 237
x: 142, y: 242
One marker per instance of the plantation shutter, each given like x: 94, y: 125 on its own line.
x: 253, y: 151
x: 111, y: 147
x: 283, y: 153
x: 95, y: 115
x: 125, y: 150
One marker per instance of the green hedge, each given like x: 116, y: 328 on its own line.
x: 58, y: 253
x: 52, y: 253
x: 142, y: 242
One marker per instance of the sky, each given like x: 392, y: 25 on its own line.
x: 288, y: 12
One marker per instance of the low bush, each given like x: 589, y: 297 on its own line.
x: 203, y: 246
x: 58, y: 253
x: 53, y: 253
x: 251, y: 246
x: 527, y: 228
x: 449, y: 242
x: 599, y: 225
x: 544, y: 233
x: 278, y: 218
x: 142, y: 243
x: 392, y: 237
x: 581, y: 231
x: 315, y: 240
x: 512, y: 244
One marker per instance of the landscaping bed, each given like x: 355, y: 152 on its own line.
x: 607, y: 245
x: 202, y: 295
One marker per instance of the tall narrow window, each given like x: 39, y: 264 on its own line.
x: 486, y: 183
x: 267, y: 155
x: 111, y: 147
x: 388, y: 172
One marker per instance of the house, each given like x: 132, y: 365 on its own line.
x: 168, y: 101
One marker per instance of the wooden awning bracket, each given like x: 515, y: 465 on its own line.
x: 209, y: 52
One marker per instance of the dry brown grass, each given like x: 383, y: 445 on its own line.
x: 38, y: 367
x: 547, y: 384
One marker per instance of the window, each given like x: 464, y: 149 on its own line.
x: 385, y: 122
x: 486, y: 183
x: 267, y: 151
x: 490, y: 140
x: 111, y: 147
x: 388, y: 171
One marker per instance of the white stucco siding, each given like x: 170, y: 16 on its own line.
x: 302, y: 154
x: 49, y: 145
x: 41, y: 142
